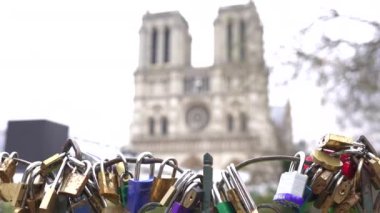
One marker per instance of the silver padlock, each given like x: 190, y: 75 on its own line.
x: 292, y: 185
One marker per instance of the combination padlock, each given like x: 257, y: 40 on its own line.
x: 139, y: 190
x: 292, y: 185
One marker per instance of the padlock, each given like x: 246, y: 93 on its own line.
x: 232, y: 194
x: 8, y: 168
x: 139, y: 190
x: 84, y: 203
x: 342, y: 189
x: 353, y: 197
x: 7, y: 191
x: 192, y: 198
x: 248, y: 203
x: 374, y: 166
x: 324, y: 199
x: 124, y: 175
x: 348, y: 168
x: 50, y: 198
x: 111, y: 207
x: 175, y: 189
x: 336, y: 142
x: 221, y: 203
x: 321, y: 181
x: 80, y: 205
x: 161, y: 185
x: 72, y: 144
x: 21, y: 190
x: 34, y: 199
x: 181, y: 207
x: 51, y: 163
x: 92, y: 193
x: 326, y: 161
x: 292, y: 185
x: 74, y: 182
x: 108, y: 184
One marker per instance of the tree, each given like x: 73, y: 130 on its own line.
x: 347, y: 68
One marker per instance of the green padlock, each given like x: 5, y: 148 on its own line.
x: 124, y: 176
x: 222, y: 204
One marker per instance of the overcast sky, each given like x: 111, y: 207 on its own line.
x: 73, y: 61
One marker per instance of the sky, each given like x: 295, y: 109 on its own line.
x: 73, y: 61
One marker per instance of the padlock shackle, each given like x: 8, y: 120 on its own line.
x: 166, y: 162
x: 225, y: 179
x: 13, y: 155
x: 70, y: 143
x: 94, y: 174
x: 139, y: 160
x: 3, y: 155
x: 59, y: 173
x: 301, y: 162
x: 86, y: 164
x: 102, y: 171
x: 187, y: 190
x: 216, y: 194
x: 29, y: 189
x: 243, y: 191
x: 121, y: 156
x: 28, y: 170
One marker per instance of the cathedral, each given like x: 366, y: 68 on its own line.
x: 183, y: 112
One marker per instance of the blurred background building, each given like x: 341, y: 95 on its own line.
x: 35, y: 140
x: 183, y: 111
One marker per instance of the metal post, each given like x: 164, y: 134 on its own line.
x: 207, y: 182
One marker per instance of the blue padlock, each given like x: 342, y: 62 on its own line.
x: 139, y: 190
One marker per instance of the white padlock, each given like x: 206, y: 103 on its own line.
x: 292, y: 185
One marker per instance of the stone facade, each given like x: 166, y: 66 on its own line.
x: 184, y: 112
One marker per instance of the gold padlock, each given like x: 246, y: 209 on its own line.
x: 161, y: 185
x: 51, y: 163
x: 324, y: 199
x: 232, y: 194
x: 8, y: 168
x: 321, y: 180
x: 108, y: 184
x: 35, y: 190
x: 374, y: 166
x: 336, y: 142
x: 74, y: 182
x: 326, y: 161
x: 21, y: 189
x: 50, y: 197
x: 342, y: 189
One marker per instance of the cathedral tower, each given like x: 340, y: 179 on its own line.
x: 183, y: 111
x: 164, y: 41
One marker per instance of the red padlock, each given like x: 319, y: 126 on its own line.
x: 348, y: 168
x: 308, y: 162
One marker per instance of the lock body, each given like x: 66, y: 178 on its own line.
x: 290, y: 189
x: 178, y: 208
x: 7, y: 170
x: 225, y: 207
x: 159, y: 187
x: 123, y: 191
x: 138, y: 193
